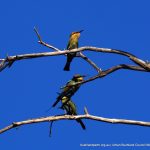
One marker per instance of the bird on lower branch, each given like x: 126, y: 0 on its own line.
x: 71, y: 109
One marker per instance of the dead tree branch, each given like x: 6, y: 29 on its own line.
x: 43, y: 43
x: 136, y: 60
x: 141, y: 65
x: 55, y: 49
x: 90, y: 62
x: 7, y: 62
x: 71, y: 117
x: 113, y: 69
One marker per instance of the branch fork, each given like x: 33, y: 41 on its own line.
x: 141, y: 65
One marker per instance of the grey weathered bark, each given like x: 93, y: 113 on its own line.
x: 141, y: 65
x: 71, y: 117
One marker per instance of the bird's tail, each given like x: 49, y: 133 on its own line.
x: 69, y: 60
x: 81, y: 123
x: 67, y: 66
x: 55, y: 103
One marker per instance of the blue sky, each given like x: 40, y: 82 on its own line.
x: 29, y: 88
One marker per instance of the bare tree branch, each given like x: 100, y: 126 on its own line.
x: 143, y: 64
x: 90, y: 62
x: 71, y: 117
x: 54, y: 48
x: 131, y: 56
x: 140, y: 62
x: 43, y: 43
x: 112, y: 69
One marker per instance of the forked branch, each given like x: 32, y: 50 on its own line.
x: 7, y: 62
x: 55, y: 49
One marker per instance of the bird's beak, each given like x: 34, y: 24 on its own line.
x: 80, y: 31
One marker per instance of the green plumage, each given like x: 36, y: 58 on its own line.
x: 72, y: 44
x: 70, y: 109
x: 70, y: 88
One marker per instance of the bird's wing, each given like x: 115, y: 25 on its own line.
x: 65, y: 85
x: 68, y: 46
x: 67, y: 93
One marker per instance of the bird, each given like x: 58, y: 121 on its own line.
x: 71, y: 109
x: 72, y: 44
x: 70, y: 88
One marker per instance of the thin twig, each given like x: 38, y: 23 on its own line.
x: 12, y: 59
x: 54, y: 48
x: 138, y: 61
x: 72, y: 117
x: 43, y: 43
x: 86, y: 111
x: 37, y: 33
x: 50, y: 129
x: 90, y: 62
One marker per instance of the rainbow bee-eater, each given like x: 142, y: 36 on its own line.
x: 71, y: 109
x: 72, y: 44
x: 70, y: 88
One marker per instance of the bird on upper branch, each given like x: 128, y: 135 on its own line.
x: 71, y: 109
x: 72, y: 44
x: 70, y: 88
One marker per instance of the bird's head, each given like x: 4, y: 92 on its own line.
x: 76, y: 34
x: 78, y: 78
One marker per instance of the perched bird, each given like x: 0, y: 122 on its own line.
x: 72, y: 44
x: 70, y: 88
x: 70, y: 109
